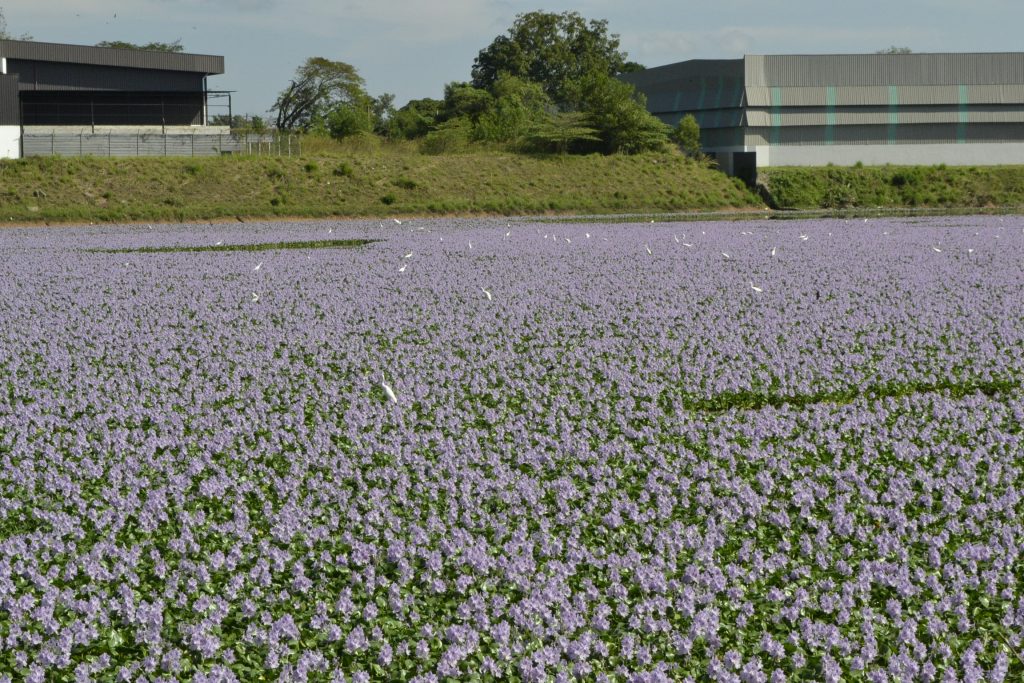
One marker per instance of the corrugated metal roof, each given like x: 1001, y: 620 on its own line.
x: 103, y: 56
x: 972, y: 68
x: 678, y: 73
x: 1009, y: 93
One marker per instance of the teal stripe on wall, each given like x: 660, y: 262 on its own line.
x: 776, y: 134
x: 961, y: 125
x: 830, y: 114
x: 894, y: 112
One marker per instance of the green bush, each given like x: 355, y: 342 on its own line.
x: 343, y: 170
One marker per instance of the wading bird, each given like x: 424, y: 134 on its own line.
x: 387, y: 389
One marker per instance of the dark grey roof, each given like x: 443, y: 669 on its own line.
x: 105, y: 56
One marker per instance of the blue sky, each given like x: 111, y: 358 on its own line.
x: 411, y: 48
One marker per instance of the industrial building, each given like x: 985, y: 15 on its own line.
x: 76, y: 99
x: 875, y: 109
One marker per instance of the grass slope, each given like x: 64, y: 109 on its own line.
x: 357, y: 183
x: 835, y: 187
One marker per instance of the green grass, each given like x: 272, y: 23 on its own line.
x: 358, y: 181
x: 262, y: 246
x: 917, y: 187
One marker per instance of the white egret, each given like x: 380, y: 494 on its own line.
x: 568, y: 241
x: 409, y: 255
x: 649, y: 249
x: 255, y: 297
x: 676, y: 238
x: 936, y: 249
x: 397, y: 221
x: 258, y: 266
x: 773, y: 251
x: 470, y: 245
x: 587, y: 234
x: 755, y: 287
x: 804, y: 237
x: 687, y: 244
x: 486, y: 292
x: 970, y: 251
x: 387, y: 389
x: 219, y: 242
x: 402, y: 269
x: 726, y: 255
x: 507, y: 234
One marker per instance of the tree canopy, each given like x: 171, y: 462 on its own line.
x: 558, y: 51
x: 175, y: 46
x: 319, y: 86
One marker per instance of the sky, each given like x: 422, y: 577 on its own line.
x: 412, y: 48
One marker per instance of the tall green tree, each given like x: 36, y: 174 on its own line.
x: 415, y: 119
x: 558, y: 51
x: 320, y: 86
x: 619, y: 113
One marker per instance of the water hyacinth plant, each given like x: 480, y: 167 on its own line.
x: 474, y: 450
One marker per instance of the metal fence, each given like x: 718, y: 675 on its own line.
x: 158, y: 144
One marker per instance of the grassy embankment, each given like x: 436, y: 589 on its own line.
x: 915, y: 187
x: 390, y: 180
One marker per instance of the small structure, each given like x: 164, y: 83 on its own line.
x: 77, y: 99
x: 814, y: 110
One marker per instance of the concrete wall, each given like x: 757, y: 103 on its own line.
x: 973, y: 154
x: 10, y: 142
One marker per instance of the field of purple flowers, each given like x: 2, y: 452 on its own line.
x: 472, y: 450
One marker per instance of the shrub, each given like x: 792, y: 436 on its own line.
x: 343, y: 170
x: 388, y: 199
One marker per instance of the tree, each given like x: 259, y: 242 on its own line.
x: 894, y: 50
x: 619, y: 113
x: 4, y: 35
x: 320, y: 85
x: 176, y: 46
x: 687, y: 135
x: 415, y: 119
x: 517, y: 108
x: 559, y: 131
x: 558, y: 51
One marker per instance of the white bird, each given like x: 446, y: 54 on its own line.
x: 755, y: 287
x: 409, y: 255
x: 330, y: 230
x: 970, y: 251
x: 804, y: 237
x: 387, y: 389
x: 773, y: 251
x: 587, y: 234
x: 726, y: 255
x: 568, y: 241
x: 687, y: 244
x: 397, y: 221
x: 402, y: 269
x: 676, y: 238
x: 219, y: 242
x: 649, y: 249
x: 470, y: 245
x: 936, y: 249
x: 258, y: 266
x: 255, y: 297
x: 507, y: 234
x: 486, y: 292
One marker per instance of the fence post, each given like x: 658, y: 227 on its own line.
x: 289, y: 145
x: 109, y: 152
x: 138, y: 146
x: 193, y: 144
x: 51, y: 142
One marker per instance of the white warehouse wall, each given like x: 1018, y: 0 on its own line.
x: 10, y: 142
x: 952, y: 154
